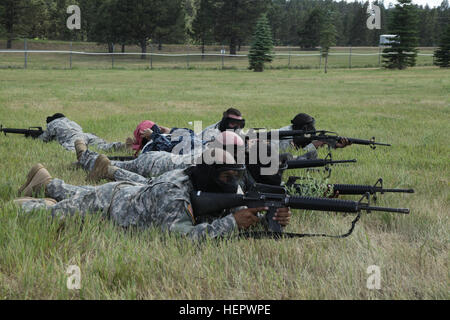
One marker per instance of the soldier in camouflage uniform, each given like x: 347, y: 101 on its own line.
x: 146, y: 165
x: 65, y: 131
x: 232, y: 120
x: 164, y: 202
x: 152, y: 164
x: 303, y: 121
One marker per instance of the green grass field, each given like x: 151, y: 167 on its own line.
x: 410, y: 109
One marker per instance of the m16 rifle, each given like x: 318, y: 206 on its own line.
x: 32, y: 132
x: 209, y: 204
x: 121, y: 158
x: 329, y: 137
x: 326, y: 163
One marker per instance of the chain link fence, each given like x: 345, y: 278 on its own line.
x: 37, y: 54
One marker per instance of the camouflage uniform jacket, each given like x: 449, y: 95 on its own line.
x: 63, y: 130
x: 169, y: 204
x: 209, y: 132
x: 66, y: 132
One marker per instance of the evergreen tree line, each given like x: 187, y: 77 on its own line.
x: 205, y: 22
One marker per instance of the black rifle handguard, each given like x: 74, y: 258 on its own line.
x: 350, y: 189
x: 313, y: 163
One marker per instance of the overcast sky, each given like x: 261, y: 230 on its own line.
x: 431, y: 3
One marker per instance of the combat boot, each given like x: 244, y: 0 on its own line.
x: 37, y: 179
x: 48, y: 201
x: 102, y: 169
x: 80, y: 147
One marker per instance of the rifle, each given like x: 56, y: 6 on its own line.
x: 282, y: 134
x: 353, y: 189
x: 332, y: 140
x: 207, y: 204
x: 314, y: 163
x: 121, y: 158
x: 329, y: 137
x: 27, y: 132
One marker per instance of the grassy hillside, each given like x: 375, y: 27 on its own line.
x: 409, y: 109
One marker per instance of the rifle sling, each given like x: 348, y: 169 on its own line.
x: 281, y: 235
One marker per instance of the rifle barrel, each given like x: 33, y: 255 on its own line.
x: 121, y: 158
x: 283, y: 134
x: 325, y: 204
x: 398, y: 190
x: 362, y: 189
x: 312, y: 163
x: 10, y: 130
x: 342, y: 161
x: 366, y: 142
x: 385, y: 209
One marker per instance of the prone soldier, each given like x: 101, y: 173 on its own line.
x: 148, y: 164
x: 163, y: 202
x: 66, y: 132
x: 303, y: 121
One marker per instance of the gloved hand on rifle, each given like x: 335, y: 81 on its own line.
x: 248, y: 217
x: 344, y: 142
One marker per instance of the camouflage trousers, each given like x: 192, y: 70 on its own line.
x: 92, y: 140
x: 115, y: 200
x: 139, y: 170
x: 153, y: 164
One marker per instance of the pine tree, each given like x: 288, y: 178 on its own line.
x: 203, y: 24
x: 234, y: 20
x: 12, y: 16
x: 310, y: 32
x: 262, y: 44
x: 327, y: 36
x: 402, y: 52
x: 442, y: 54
